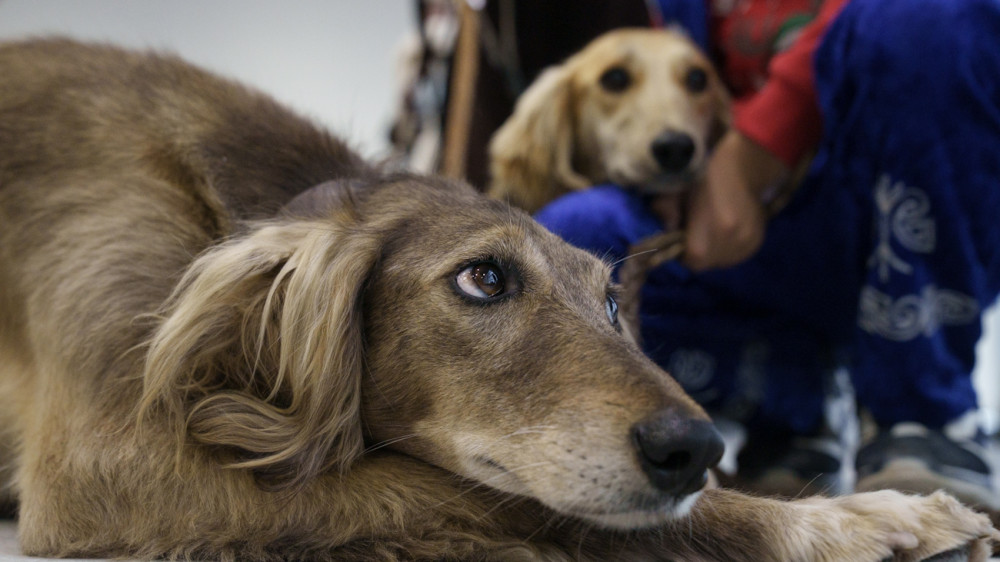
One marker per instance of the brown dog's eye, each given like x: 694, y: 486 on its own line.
x: 611, y: 309
x: 481, y: 280
x: 696, y: 80
x: 615, y: 79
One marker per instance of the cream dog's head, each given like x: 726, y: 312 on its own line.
x: 636, y: 107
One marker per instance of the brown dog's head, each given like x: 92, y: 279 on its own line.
x: 419, y: 315
x: 636, y: 107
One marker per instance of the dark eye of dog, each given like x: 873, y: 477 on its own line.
x: 615, y: 79
x: 696, y: 80
x: 482, y: 280
x: 611, y: 309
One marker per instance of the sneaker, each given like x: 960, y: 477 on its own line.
x: 912, y: 458
x: 792, y: 466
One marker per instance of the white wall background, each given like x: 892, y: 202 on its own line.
x: 332, y: 60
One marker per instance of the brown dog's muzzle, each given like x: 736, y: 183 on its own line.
x: 676, y: 451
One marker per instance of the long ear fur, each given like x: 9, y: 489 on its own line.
x: 531, y: 155
x: 260, y: 351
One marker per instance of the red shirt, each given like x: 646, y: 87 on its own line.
x: 765, y: 49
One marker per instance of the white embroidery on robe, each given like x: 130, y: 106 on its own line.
x: 910, y: 316
x: 903, y: 215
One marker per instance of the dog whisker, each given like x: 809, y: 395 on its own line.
x: 506, y: 499
x: 545, y: 526
x: 583, y: 530
x: 634, y: 255
x: 524, y: 467
x: 537, y: 429
x: 481, y: 483
x: 389, y: 442
x: 807, y: 486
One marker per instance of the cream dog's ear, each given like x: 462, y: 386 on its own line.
x: 531, y: 155
x: 259, y: 354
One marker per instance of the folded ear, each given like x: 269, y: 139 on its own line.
x: 531, y: 155
x: 260, y: 351
x: 320, y: 200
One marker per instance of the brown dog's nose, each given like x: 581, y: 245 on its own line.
x: 676, y: 452
x: 673, y: 150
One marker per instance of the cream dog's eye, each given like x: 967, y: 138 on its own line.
x: 696, y: 80
x: 482, y: 280
x: 615, y: 79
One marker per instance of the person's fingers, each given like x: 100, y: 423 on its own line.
x: 722, y: 233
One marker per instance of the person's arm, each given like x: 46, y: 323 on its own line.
x: 772, y: 132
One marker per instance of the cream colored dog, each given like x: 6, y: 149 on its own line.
x: 636, y: 107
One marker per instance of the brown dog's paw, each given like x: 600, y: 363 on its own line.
x: 889, y: 525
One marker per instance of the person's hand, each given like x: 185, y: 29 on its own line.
x: 726, y: 219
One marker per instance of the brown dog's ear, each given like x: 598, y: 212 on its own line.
x: 260, y: 351
x: 319, y: 200
x: 531, y: 155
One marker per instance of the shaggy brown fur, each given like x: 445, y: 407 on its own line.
x: 198, y: 363
x: 579, y: 124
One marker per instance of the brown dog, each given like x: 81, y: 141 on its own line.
x: 225, y: 336
x: 635, y: 107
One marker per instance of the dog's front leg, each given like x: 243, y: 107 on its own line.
x: 726, y: 525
